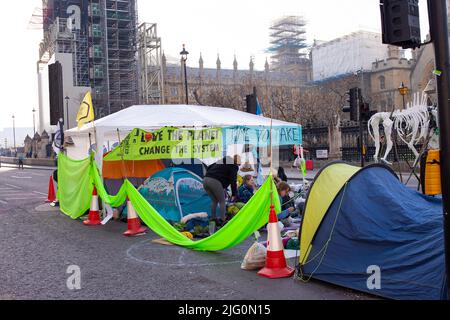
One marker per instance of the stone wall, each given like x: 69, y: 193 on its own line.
x: 29, y: 162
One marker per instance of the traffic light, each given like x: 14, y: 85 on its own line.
x: 400, y: 23
x: 352, y: 107
x: 251, y: 103
x: 365, y: 112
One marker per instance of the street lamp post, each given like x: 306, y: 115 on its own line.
x: 14, y: 131
x: 439, y: 33
x: 184, y: 55
x: 67, y: 111
x: 360, y: 72
x: 403, y: 91
x: 34, y: 121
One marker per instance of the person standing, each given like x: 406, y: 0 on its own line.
x: 21, y: 162
x: 282, y: 174
x: 55, y: 179
x: 219, y: 176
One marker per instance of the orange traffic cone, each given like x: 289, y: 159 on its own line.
x: 51, y: 191
x: 94, y: 213
x: 134, y: 224
x: 276, y: 266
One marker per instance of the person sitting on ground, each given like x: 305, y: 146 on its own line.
x: 219, y: 176
x: 275, y: 176
x: 247, y: 189
x: 283, y: 192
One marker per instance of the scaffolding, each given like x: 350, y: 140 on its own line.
x: 104, y: 50
x: 288, y: 41
x: 151, y: 89
x: 59, y: 38
x: 98, y: 54
x: 121, y: 30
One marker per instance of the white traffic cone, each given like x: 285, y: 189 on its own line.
x: 276, y: 266
x: 134, y: 224
x: 94, y: 213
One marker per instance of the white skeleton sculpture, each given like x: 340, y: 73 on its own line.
x: 412, y: 125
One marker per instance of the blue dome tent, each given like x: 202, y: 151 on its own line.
x: 176, y: 193
x: 357, y: 219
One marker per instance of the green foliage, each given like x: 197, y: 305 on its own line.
x: 179, y: 226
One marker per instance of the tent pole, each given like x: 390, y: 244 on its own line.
x: 438, y: 18
x: 271, y: 156
x: 90, y: 142
x: 124, y: 168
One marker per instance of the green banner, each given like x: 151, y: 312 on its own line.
x: 76, y: 180
x: 169, y: 143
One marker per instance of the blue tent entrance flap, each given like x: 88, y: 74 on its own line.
x: 376, y: 222
x: 176, y: 193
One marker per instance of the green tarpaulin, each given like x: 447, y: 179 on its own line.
x: 75, y: 185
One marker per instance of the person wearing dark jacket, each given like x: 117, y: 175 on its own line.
x: 247, y: 189
x: 220, y: 176
x: 282, y: 175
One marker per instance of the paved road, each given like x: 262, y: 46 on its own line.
x: 38, y: 244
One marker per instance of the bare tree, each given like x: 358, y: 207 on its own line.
x: 221, y: 96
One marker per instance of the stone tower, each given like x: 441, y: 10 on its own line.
x: 266, y: 70
x: 219, y: 66
x: 200, y: 67
x: 235, y: 70
x: 393, y: 52
x: 251, y: 68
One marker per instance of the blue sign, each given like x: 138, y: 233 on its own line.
x: 260, y: 136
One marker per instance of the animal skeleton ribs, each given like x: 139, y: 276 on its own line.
x: 412, y: 125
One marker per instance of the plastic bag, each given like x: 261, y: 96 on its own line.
x: 255, y: 258
x: 297, y: 162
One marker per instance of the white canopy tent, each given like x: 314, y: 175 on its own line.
x: 104, y: 132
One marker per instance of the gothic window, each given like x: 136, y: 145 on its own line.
x: 382, y: 80
x: 383, y: 105
x: 390, y: 103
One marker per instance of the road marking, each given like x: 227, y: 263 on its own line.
x: 16, y: 177
x: 46, y: 207
x: 5, y: 189
x: 180, y: 261
x: 37, y: 192
x: 26, y: 198
x: 3, y: 202
x: 11, y: 193
x: 38, y: 174
x: 13, y: 186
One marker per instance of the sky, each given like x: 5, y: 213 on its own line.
x: 210, y: 27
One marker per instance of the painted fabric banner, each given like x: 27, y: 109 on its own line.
x: 169, y: 143
x: 260, y: 136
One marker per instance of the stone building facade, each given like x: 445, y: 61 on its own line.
x: 237, y: 82
x: 386, y: 77
x: 422, y: 71
x: 38, y: 147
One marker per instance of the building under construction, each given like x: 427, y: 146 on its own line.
x: 95, y: 42
x: 151, y: 84
x: 288, y: 44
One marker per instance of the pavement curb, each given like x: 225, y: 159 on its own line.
x: 27, y: 167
